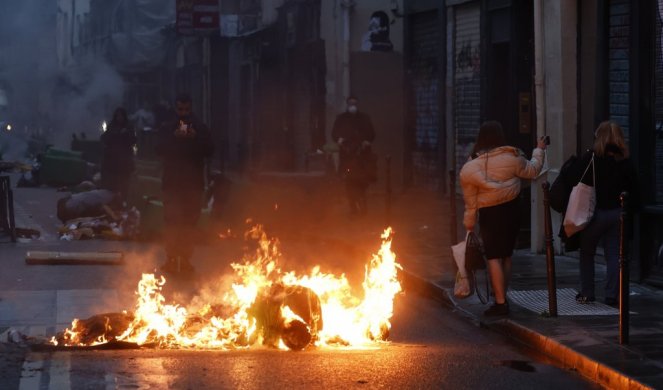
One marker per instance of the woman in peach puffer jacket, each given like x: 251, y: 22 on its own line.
x: 491, y: 182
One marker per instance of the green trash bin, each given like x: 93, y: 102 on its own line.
x: 58, y: 170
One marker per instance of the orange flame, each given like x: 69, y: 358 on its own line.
x: 235, y: 322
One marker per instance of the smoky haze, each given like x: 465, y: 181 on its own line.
x: 51, y: 93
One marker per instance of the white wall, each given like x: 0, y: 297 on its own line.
x: 560, y: 101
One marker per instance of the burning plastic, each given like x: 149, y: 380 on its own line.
x: 265, y: 306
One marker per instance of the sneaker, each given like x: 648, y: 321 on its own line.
x: 498, y: 309
x: 583, y: 299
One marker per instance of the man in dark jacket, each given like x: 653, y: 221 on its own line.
x: 117, y: 162
x: 184, y: 146
x: 354, y: 133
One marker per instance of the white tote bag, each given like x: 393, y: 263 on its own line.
x: 582, y: 202
x: 462, y: 287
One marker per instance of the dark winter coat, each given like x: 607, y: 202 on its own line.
x: 613, y: 176
x: 118, y: 154
x: 353, y: 128
x: 183, y: 158
x: 355, y: 160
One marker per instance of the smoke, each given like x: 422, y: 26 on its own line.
x: 83, y: 102
x: 54, y: 87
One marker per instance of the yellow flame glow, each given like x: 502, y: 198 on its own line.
x: 348, y: 320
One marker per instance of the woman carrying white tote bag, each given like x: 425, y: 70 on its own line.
x: 582, y: 203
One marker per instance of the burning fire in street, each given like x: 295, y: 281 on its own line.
x: 265, y: 306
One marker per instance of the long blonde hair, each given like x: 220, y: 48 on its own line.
x: 608, y: 133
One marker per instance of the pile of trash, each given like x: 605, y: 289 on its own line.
x: 114, y: 225
x: 90, y: 214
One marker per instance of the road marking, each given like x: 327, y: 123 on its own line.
x: 31, y: 372
x: 46, y: 371
x: 59, y: 374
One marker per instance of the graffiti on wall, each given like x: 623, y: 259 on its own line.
x: 468, y: 59
x: 377, y: 37
x: 467, y: 95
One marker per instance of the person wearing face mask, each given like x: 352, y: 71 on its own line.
x: 354, y: 133
x: 184, y: 146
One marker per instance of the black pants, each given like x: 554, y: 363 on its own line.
x: 181, y: 211
x: 356, y: 195
x: 358, y: 170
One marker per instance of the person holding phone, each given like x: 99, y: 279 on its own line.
x: 117, y: 162
x: 491, y: 183
x: 184, y: 147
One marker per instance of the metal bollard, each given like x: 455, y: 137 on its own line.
x: 387, y: 204
x: 453, y: 228
x: 12, y: 222
x: 7, y: 207
x: 550, y: 252
x: 624, y: 277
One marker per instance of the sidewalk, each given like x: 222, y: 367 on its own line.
x: 583, y: 337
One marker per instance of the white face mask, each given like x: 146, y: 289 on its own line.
x: 352, y: 109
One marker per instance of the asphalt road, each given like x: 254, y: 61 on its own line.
x: 430, y: 347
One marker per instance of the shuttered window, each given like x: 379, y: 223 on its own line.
x: 467, y: 80
x: 618, y: 63
x: 424, y: 65
x: 658, y: 102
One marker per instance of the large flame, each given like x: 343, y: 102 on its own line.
x: 232, y: 322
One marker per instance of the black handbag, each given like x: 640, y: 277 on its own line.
x: 560, y: 190
x: 475, y: 258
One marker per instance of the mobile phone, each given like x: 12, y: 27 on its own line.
x: 546, y: 140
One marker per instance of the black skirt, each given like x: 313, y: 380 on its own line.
x: 499, y: 226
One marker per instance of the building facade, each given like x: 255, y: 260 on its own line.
x: 628, y: 77
x: 291, y: 65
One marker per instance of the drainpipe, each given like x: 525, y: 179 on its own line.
x: 536, y: 237
x: 207, y: 88
x: 539, y: 69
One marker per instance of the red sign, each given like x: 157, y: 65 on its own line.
x: 197, y: 16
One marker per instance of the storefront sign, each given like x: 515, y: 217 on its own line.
x: 197, y: 16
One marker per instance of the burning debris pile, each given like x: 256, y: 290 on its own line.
x: 264, y: 307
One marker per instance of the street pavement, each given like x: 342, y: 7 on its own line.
x: 309, y: 212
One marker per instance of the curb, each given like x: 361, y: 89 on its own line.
x: 563, y: 355
x: 567, y: 357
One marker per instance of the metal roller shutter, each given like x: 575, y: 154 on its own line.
x: 618, y: 62
x: 425, y: 68
x: 658, y: 104
x: 467, y: 81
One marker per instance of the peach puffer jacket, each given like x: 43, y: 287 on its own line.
x: 494, y: 177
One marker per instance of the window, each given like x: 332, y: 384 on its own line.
x: 658, y: 103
